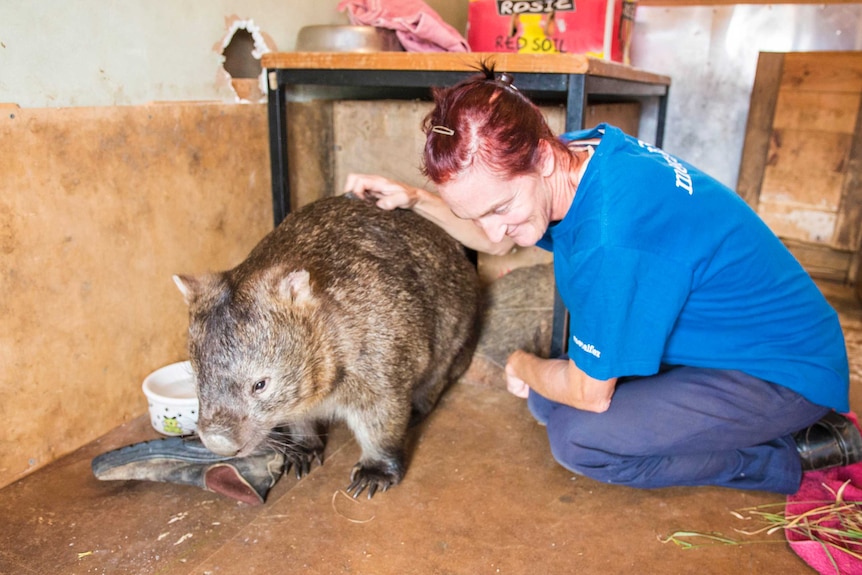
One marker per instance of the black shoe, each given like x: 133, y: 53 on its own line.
x: 188, y: 462
x: 831, y: 442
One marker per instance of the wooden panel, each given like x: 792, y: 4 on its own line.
x: 821, y: 262
x: 98, y: 208
x: 823, y: 71
x: 309, y: 147
x: 379, y: 137
x: 848, y: 232
x: 449, y: 61
x: 806, y: 167
x: 799, y: 222
x: 625, y: 116
x: 827, y: 111
x: 758, y: 131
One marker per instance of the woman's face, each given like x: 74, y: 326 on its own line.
x: 516, y: 207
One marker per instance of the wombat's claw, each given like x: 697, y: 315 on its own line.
x: 301, y: 462
x: 362, y: 478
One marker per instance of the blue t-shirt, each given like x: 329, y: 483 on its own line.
x: 659, y: 264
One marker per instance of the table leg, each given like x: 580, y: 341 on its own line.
x: 662, y: 115
x: 277, y: 112
x: 576, y: 103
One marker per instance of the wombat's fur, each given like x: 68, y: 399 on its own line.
x: 345, y: 311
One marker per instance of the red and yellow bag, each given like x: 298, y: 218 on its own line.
x: 599, y: 28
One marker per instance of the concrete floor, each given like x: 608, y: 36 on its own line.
x: 482, y: 495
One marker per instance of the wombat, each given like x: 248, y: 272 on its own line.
x: 344, y: 311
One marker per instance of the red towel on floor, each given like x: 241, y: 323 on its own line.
x: 818, y: 489
x: 418, y: 27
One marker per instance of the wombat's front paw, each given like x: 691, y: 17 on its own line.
x: 379, y: 476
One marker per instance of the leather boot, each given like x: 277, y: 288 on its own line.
x: 186, y: 461
x: 833, y: 441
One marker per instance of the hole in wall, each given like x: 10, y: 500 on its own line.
x: 241, y: 50
x: 239, y: 61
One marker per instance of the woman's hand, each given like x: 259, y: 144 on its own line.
x: 516, y: 386
x: 387, y: 194
x: 559, y: 380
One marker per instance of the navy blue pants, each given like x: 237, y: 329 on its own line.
x: 685, y: 426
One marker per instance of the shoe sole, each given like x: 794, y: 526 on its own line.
x: 177, y: 448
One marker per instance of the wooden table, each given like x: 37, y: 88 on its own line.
x: 572, y: 79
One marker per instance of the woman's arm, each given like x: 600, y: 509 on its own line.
x: 559, y: 380
x: 389, y: 195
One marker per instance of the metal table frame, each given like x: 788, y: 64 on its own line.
x: 576, y: 90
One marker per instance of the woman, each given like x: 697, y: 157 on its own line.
x: 699, y: 347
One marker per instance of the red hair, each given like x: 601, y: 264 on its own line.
x: 483, y: 120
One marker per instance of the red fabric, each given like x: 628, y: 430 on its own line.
x: 418, y: 27
x: 818, y: 489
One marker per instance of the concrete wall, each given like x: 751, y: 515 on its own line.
x: 56, y: 53
x: 95, y: 53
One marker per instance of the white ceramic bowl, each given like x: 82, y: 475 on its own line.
x: 170, y: 392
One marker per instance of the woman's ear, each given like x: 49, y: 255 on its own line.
x: 547, y: 160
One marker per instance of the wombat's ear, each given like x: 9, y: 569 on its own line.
x: 193, y: 287
x: 295, y: 287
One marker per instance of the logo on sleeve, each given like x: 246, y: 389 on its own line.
x: 587, y: 347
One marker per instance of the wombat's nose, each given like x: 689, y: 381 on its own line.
x: 219, y: 444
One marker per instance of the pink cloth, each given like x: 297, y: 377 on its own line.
x: 418, y: 27
x: 815, y: 492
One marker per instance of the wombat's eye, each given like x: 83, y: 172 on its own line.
x: 259, y: 386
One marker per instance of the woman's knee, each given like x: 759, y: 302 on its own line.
x: 570, y: 444
x: 540, y: 407
x: 577, y: 443
x: 595, y: 464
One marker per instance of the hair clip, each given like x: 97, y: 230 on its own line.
x: 443, y: 130
x: 506, y: 80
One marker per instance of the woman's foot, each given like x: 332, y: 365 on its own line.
x: 833, y: 441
